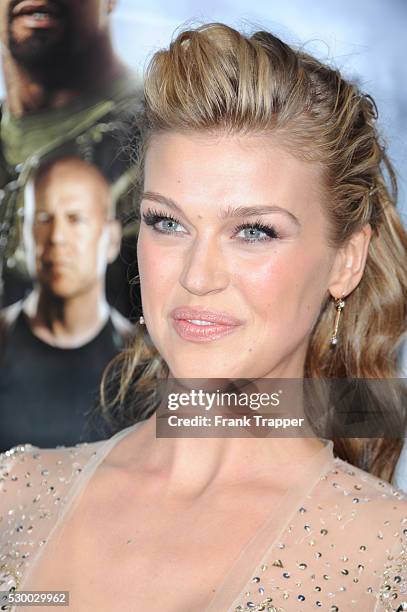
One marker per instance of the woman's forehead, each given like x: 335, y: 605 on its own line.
x: 229, y: 171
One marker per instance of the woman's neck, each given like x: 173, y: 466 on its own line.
x: 192, y: 465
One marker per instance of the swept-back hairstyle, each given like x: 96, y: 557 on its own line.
x: 214, y: 78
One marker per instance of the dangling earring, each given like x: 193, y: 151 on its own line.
x: 339, y: 306
x: 141, y: 320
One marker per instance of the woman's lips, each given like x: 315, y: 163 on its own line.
x: 203, y: 325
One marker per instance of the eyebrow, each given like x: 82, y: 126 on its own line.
x: 239, y: 211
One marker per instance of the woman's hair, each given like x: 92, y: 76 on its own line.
x: 214, y: 78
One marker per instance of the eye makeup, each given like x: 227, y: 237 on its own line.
x: 256, y: 231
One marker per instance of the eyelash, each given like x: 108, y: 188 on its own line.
x: 152, y: 217
x: 269, y: 230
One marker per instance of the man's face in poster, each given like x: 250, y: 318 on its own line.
x: 38, y: 33
x: 69, y: 235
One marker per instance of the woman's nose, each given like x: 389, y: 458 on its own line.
x: 205, y: 269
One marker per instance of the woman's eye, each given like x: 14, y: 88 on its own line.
x: 163, y: 223
x: 256, y: 232
x: 168, y: 225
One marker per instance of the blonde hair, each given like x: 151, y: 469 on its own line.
x: 214, y: 78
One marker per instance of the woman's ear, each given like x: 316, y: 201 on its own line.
x: 115, y: 237
x: 349, y: 263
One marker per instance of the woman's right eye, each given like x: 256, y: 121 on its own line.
x: 166, y: 224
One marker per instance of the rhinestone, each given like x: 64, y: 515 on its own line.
x: 301, y: 598
x: 324, y: 531
x: 278, y: 563
x: 302, y: 566
x: 286, y: 575
x: 256, y: 579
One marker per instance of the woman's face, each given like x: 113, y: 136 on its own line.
x: 234, y: 263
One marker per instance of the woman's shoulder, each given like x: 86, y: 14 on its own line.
x: 342, y: 548
x: 26, y: 467
x: 372, y: 507
x: 35, y: 486
x: 363, y: 490
x: 367, y: 519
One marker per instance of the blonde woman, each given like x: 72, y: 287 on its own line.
x: 264, y: 209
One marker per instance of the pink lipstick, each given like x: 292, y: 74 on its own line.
x: 199, y: 325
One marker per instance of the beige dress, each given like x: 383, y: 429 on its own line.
x: 337, y: 543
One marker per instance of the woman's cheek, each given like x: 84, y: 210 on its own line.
x: 159, y: 271
x: 265, y: 281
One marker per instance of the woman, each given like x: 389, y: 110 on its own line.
x: 264, y: 209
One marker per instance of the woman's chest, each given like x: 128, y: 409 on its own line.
x: 123, y: 556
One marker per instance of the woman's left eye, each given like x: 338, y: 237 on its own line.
x: 256, y: 232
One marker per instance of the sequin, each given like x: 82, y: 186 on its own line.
x: 366, y: 537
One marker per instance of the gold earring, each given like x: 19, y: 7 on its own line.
x: 339, y: 306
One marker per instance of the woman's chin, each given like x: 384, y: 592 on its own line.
x: 202, y: 371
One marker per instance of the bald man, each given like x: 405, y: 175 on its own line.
x: 66, y: 89
x: 58, y: 341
